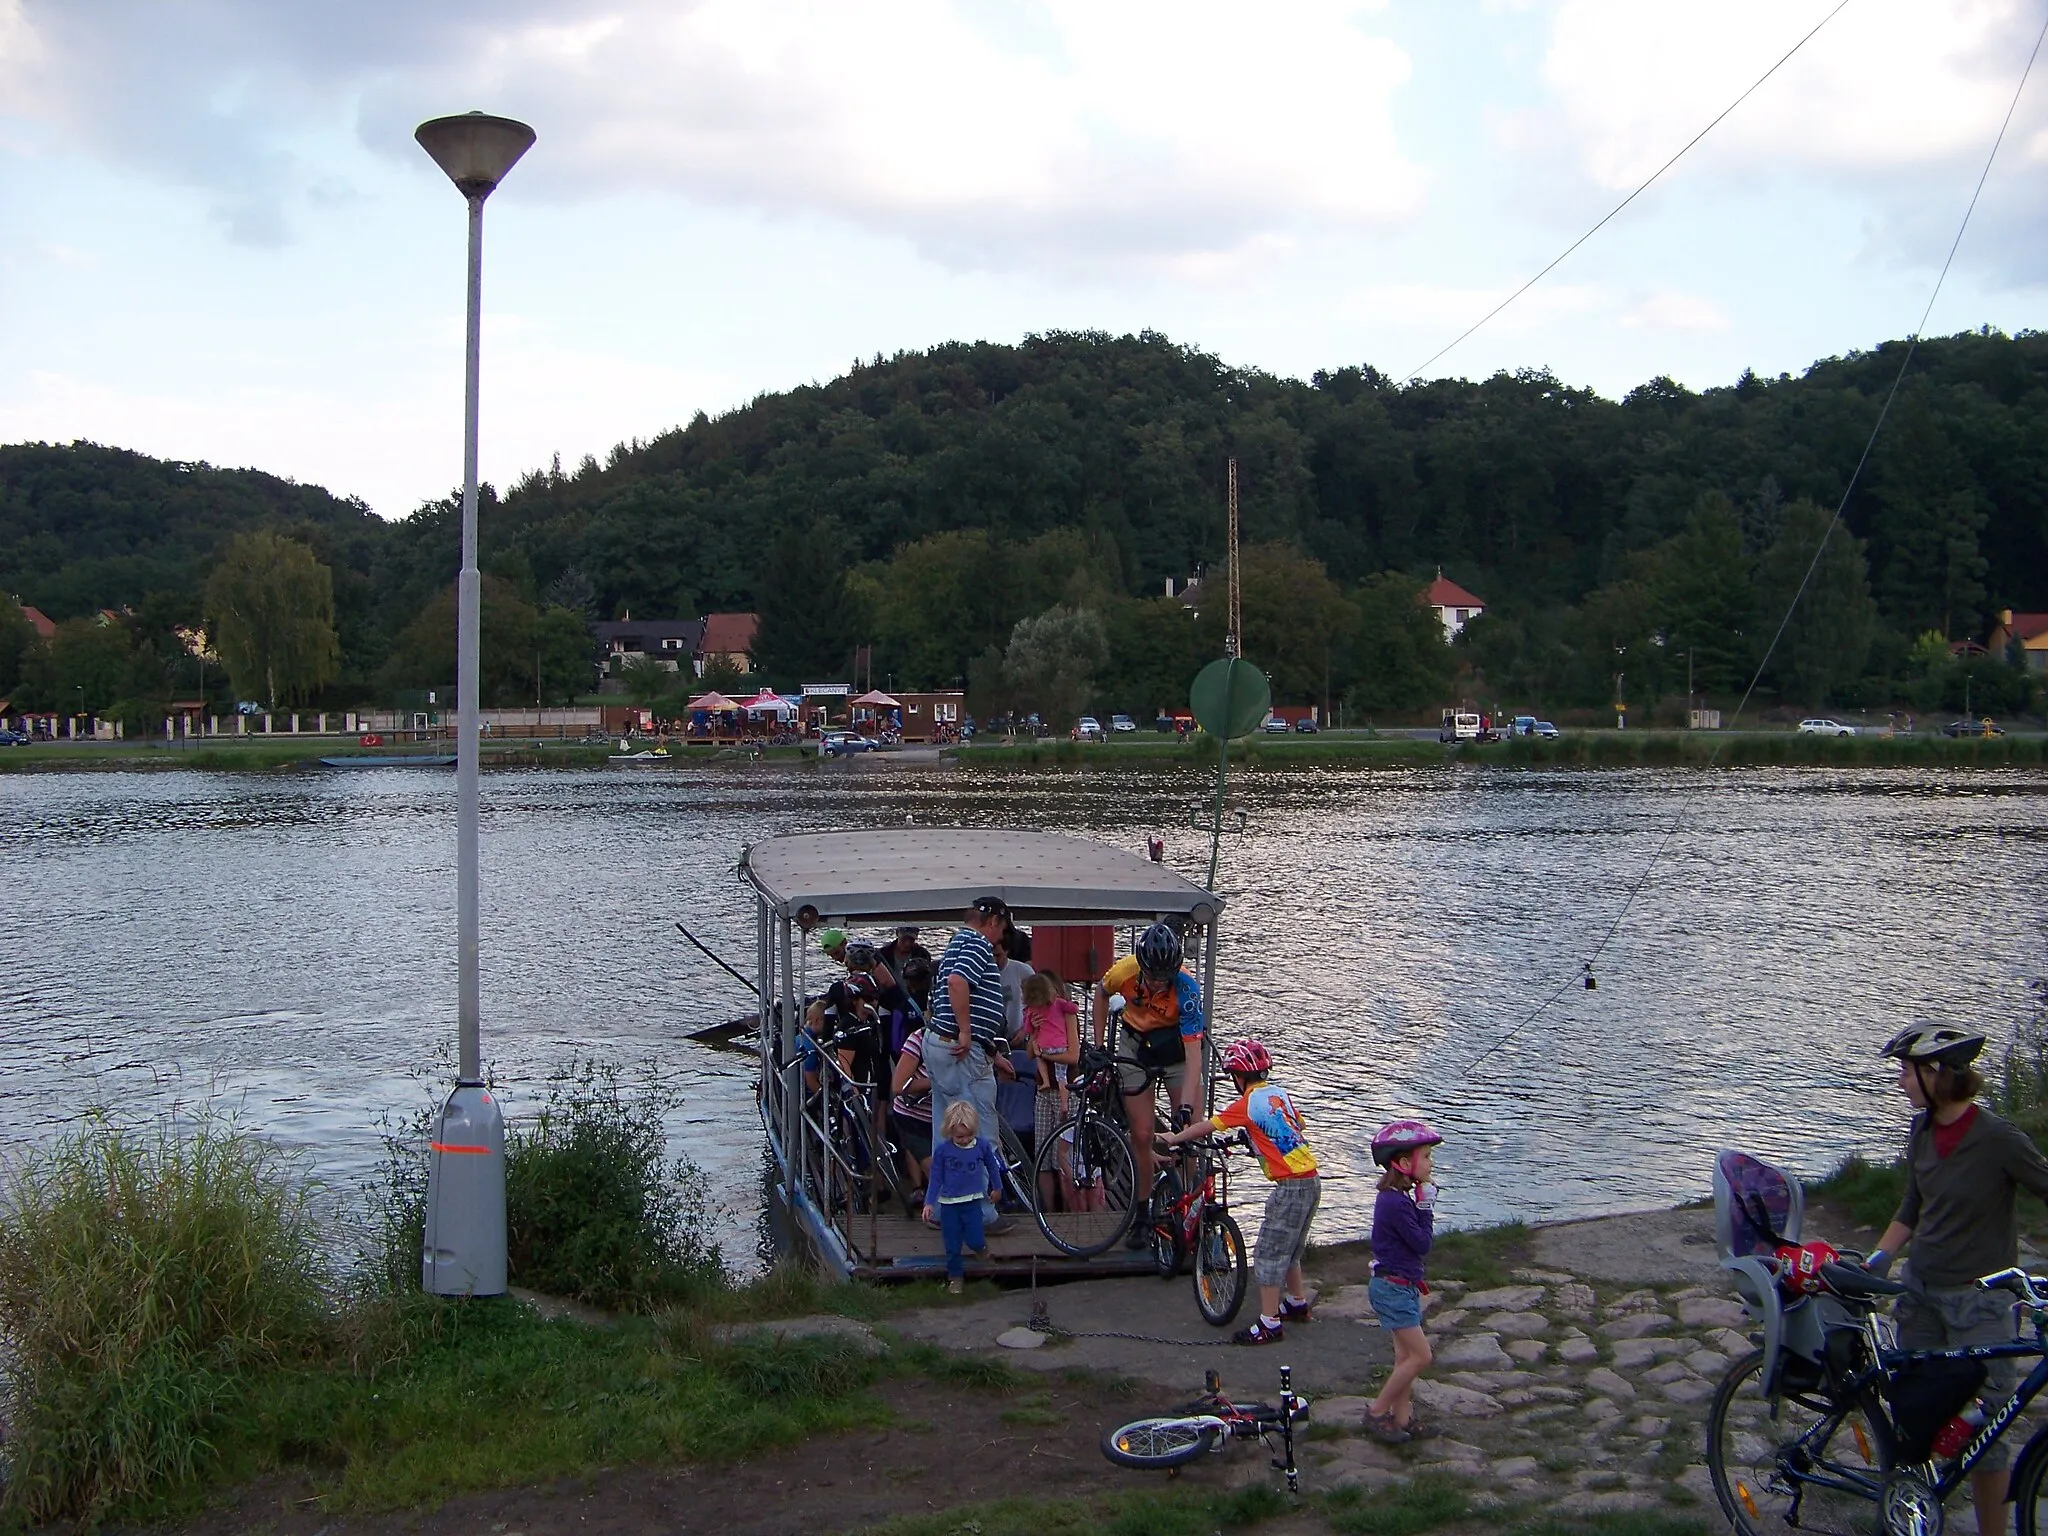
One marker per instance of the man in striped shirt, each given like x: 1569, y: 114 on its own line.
x: 961, y: 1062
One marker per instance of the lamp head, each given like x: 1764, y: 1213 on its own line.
x: 475, y: 149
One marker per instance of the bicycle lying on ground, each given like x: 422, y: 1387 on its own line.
x: 1832, y: 1427
x: 1188, y: 1218
x: 1174, y: 1440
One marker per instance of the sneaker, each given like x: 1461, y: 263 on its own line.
x: 1292, y: 1311
x: 1261, y: 1332
x: 956, y: 1286
x: 999, y: 1226
x: 1140, y: 1236
x: 1385, y: 1430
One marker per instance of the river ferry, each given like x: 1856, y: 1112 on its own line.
x: 1077, y: 897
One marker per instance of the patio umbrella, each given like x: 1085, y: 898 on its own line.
x: 716, y: 703
x: 880, y: 700
x: 766, y: 699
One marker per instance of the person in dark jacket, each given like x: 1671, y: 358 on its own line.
x: 1403, y: 1227
x: 1965, y: 1167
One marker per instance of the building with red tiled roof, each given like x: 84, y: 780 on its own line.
x: 2029, y: 631
x: 1453, y: 604
x: 38, y: 621
x: 728, y: 638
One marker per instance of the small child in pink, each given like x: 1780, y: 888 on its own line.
x: 1050, y: 1023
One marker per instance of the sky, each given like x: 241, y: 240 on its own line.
x: 219, y: 242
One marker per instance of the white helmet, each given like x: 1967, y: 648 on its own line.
x: 1946, y: 1045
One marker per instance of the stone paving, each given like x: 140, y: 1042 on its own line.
x: 1585, y: 1397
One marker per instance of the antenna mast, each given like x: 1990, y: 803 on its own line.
x: 1233, y: 643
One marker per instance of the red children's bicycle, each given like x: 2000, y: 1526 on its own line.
x: 1190, y: 1219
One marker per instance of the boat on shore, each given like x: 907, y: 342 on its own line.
x: 418, y: 760
x: 874, y: 880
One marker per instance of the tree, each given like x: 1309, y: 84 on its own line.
x: 809, y: 620
x: 522, y: 653
x: 650, y: 685
x: 85, y: 668
x: 270, y: 607
x: 1701, y: 587
x: 1053, y: 658
x: 1399, y: 659
x: 1827, y: 637
x: 17, y: 639
x: 1156, y: 646
x: 1295, y: 620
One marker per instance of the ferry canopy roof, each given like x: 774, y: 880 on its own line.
x: 933, y: 873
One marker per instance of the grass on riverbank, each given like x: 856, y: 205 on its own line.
x: 1585, y: 749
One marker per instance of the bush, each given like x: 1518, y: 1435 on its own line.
x: 139, y: 1272
x: 594, y: 1207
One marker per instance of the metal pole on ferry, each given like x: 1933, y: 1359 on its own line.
x: 464, y: 1251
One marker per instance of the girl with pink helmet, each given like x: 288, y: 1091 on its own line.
x: 1403, y: 1227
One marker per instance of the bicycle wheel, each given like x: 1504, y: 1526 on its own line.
x: 1164, y: 1215
x: 1016, y: 1167
x: 1089, y: 1166
x: 1751, y: 1457
x: 1163, y: 1442
x: 1220, y: 1269
x: 2030, y: 1494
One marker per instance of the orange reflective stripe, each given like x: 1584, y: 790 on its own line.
x: 449, y: 1146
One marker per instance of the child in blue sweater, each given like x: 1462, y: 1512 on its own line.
x: 965, y: 1172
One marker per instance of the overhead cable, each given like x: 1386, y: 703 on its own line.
x: 1558, y: 260
x: 1841, y: 506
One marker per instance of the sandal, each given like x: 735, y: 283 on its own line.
x: 1258, y: 1333
x: 1385, y: 1430
x: 1419, y: 1428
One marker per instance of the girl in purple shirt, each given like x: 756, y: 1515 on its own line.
x: 1403, y: 1226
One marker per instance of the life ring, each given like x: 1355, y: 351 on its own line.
x: 371, y: 740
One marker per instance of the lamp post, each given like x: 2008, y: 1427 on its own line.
x: 465, y: 1228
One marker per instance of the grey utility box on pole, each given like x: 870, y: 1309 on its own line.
x: 464, y: 1252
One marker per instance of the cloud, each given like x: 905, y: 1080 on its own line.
x: 1092, y: 134
x: 1895, y: 102
x: 1673, y: 312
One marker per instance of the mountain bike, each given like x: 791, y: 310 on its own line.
x: 1832, y: 1427
x: 1086, y: 1163
x: 1174, y: 1440
x: 1188, y: 1217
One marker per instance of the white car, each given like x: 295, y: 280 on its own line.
x: 1122, y: 723
x: 1088, y: 728
x: 1825, y: 728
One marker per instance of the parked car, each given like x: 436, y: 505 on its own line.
x: 1274, y: 726
x: 1122, y: 723
x: 1984, y: 727
x: 1817, y: 727
x: 15, y: 738
x: 1306, y: 726
x: 847, y: 743
x: 1088, y: 728
x: 1542, y: 728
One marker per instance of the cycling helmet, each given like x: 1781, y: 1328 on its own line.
x: 1399, y: 1137
x: 1247, y: 1058
x: 861, y: 955
x: 1945, y: 1045
x: 1158, y: 951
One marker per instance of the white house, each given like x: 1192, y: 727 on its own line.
x: 1453, y: 604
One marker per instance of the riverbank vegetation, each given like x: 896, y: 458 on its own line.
x: 174, y: 1318
x: 1008, y: 518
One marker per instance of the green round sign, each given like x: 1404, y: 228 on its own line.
x: 1230, y: 698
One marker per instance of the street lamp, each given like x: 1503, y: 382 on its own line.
x: 464, y: 1252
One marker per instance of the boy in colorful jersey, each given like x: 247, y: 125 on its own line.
x: 1161, y: 1024
x: 1264, y: 1111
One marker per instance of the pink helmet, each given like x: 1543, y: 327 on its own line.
x: 1247, y: 1058
x: 1399, y: 1137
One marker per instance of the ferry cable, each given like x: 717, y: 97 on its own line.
x: 1678, y: 816
x: 1415, y: 373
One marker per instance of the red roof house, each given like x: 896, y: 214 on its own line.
x: 2029, y: 630
x: 1453, y: 604
x: 728, y: 637
x: 38, y: 621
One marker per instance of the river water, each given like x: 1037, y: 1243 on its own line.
x: 284, y: 946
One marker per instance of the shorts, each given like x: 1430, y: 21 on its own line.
x: 1283, y: 1235
x: 912, y: 1136
x: 1132, y: 1079
x: 1950, y: 1317
x: 1394, y: 1304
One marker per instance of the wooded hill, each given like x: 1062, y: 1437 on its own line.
x: 930, y: 502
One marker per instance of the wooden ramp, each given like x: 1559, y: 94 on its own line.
x: 889, y: 1246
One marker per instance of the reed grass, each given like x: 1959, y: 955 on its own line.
x: 141, y: 1273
